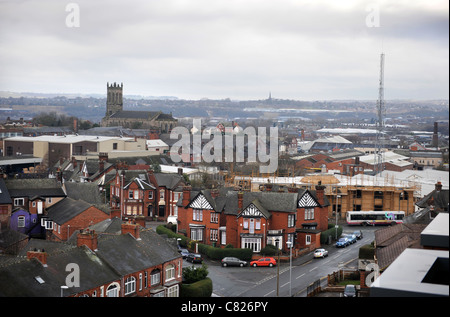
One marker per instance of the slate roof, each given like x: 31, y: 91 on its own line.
x: 85, y: 191
x: 5, y: 198
x: 66, y: 209
x: 227, y: 200
x: 46, y: 187
x: 117, y: 255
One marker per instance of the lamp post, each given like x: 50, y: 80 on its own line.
x: 278, y: 267
x: 336, y: 226
x: 289, y: 244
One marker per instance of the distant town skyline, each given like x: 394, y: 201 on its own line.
x: 237, y: 49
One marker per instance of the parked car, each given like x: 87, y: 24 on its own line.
x: 358, y: 234
x: 351, y: 238
x: 350, y: 290
x: 231, y: 261
x: 184, y: 253
x: 320, y: 253
x: 342, y: 243
x: 264, y: 262
x: 194, y: 258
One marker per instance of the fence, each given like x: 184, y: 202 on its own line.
x: 343, y: 274
x: 313, y: 289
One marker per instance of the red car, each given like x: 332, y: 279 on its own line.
x: 264, y: 262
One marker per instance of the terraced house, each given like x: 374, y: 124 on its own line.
x: 133, y: 262
x: 221, y: 217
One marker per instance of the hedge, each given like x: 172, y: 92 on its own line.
x: 330, y: 232
x: 367, y: 251
x: 215, y: 253
x: 211, y: 252
x: 164, y: 230
x: 201, y: 288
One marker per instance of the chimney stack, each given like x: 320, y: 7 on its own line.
x: 320, y: 189
x: 131, y: 228
x: 186, y: 195
x: 240, y: 201
x: 88, y: 238
x: 40, y: 255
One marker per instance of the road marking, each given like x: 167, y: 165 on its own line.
x: 327, y: 261
x: 313, y: 269
x: 300, y: 276
x: 285, y: 284
x: 269, y: 293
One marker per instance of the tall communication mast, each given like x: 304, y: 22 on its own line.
x: 378, y: 166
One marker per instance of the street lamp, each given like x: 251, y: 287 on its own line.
x: 289, y: 244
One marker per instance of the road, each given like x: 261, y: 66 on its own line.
x: 292, y: 281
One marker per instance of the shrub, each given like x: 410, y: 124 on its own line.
x: 164, y: 230
x: 330, y: 232
x: 367, y: 251
x: 193, y: 274
x: 201, y: 288
x: 269, y: 250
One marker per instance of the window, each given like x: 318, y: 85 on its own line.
x: 114, y: 146
x: 150, y: 194
x: 197, y: 234
x: 136, y: 194
x: 170, y: 272
x: 358, y: 193
x: 130, y: 194
x: 155, y: 277
x: 21, y: 221
x: 112, y: 290
x: 172, y: 291
x: 308, y: 239
x: 214, y: 235
x: 130, y: 285
x: 378, y: 194
x: 404, y: 196
x: 251, y: 243
x: 291, y: 221
x: 214, y: 217
x: 140, y: 281
x: 19, y: 201
x: 309, y: 213
x: 223, y: 237
x: 197, y: 215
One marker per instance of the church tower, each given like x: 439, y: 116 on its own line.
x: 114, y: 101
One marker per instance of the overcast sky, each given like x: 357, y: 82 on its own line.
x: 238, y: 49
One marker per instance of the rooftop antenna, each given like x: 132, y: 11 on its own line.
x: 378, y: 166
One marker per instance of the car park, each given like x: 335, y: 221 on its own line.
x: 358, y: 234
x: 184, y: 253
x: 264, y: 262
x: 350, y: 290
x: 194, y: 258
x: 320, y: 253
x: 342, y: 243
x: 232, y: 261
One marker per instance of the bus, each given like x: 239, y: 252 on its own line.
x: 364, y: 218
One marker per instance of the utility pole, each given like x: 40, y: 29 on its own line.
x: 378, y: 164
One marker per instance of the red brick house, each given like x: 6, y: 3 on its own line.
x: 69, y: 215
x: 134, y: 262
x: 134, y: 193
x: 254, y: 219
x: 140, y: 192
